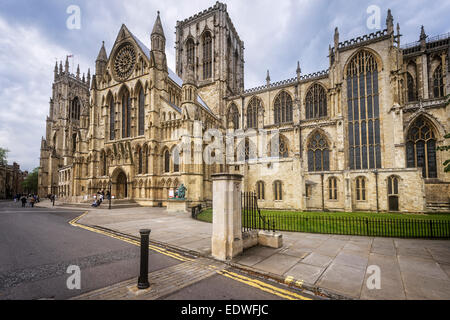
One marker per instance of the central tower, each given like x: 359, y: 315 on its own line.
x: 209, y: 42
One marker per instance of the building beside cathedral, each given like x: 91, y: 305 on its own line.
x: 11, y: 179
x: 361, y: 135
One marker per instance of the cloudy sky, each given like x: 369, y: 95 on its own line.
x: 276, y: 35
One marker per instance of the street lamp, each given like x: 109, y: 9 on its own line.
x: 110, y: 195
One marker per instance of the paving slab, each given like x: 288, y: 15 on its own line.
x: 441, y: 255
x: 277, y: 263
x: 420, y: 266
x: 305, y: 272
x: 343, y: 279
x: 415, y: 252
x: 419, y: 287
x: 318, y: 260
x: 353, y: 259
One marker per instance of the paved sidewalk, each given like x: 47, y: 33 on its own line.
x: 410, y: 269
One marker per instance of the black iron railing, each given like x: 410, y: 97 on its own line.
x: 251, y: 215
x: 376, y: 227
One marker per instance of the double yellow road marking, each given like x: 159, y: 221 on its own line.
x: 231, y: 275
x: 286, y: 294
x: 163, y: 251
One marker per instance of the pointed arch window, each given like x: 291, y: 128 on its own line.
x: 412, y: 89
x: 252, y: 112
x: 316, y: 102
x: 145, y: 159
x: 233, y: 117
x: 166, y: 161
x: 207, y: 56
x: 421, y: 147
x: 140, y: 160
x: 279, y: 146
x: 75, y: 109
x: 112, y: 119
x: 363, y: 112
x: 126, y: 114
x: 104, y: 164
x: 176, y: 160
x: 260, y: 192
x: 141, y: 108
x: 283, y: 108
x: 190, y: 54
x: 318, y: 153
x: 438, y: 83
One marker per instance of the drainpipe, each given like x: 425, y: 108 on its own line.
x: 323, y: 197
x: 376, y: 184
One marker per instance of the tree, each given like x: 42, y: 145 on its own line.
x: 30, y: 184
x: 3, y: 155
x: 446, y: 148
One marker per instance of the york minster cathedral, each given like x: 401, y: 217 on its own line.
x: 359, y: 136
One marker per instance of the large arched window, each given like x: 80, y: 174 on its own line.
x: 166, y: 161
x: 75, y: 109
x: 141, y: 108
x: 246, y: 150
x: 112, y: 119
x: 253, y: 109
x: 411, y: 85
x: 318, y: 153
x: 438, y: 83
x: 363, y: 112
x: 207, y: 56
x: 126, y: 114
x: 233, y: 117
x: 316, y: 102
x: 421, y: 147
x: 283, y: 108
x: 176, y: 159
x: 104, y: 164
x: 279, y: 146
x: 190, y: 51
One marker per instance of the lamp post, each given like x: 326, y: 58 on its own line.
x: 110, y: 195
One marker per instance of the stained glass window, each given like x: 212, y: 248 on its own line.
x: 141, y: 112
x: 207, y: 56
x: 126, y: 114
x: 253, y: 109
x: 363, y: 112
x: 233, y: 117
x: 167, y: 161
x: 421, y: 147
x: 318, y: 153
x: 283, y: 108
x: 438, y: 82
x: 316, y: 102
x: 112, y: 119
x: 411, y: 86
x: 190, y: 51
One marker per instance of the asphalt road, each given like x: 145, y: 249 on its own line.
x: 37, y: 245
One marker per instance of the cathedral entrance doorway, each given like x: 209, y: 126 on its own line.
x: 122, y: 190
x: 120, y: 184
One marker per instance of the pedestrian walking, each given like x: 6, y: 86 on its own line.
x: 24, y: 201
x: 32, y: 201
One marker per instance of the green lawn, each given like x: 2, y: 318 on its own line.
x: 355, y: 223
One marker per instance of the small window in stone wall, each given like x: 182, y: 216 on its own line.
x: 278, y: 191
x: 332, y: 188
x: 361, y: 189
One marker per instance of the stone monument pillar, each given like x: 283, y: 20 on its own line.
x: 227, y: 222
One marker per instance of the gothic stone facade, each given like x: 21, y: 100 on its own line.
x: 11, y: 178
x: 361, y: 135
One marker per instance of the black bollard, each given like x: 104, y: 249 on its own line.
x: 143, y: 278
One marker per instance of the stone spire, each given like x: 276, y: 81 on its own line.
x: 66, y: 68
x: 78, y: 72
x: 158, y: 39
x: 157, y: 28
x: 268, y: 78
x: 299, y: 70
x: 102, y: 59
x: 423, y: 35
x: 336, y: 38
x: 56, y: 69
x: 89, y: 77
x: 390, y: 22
x: 60, y: 67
